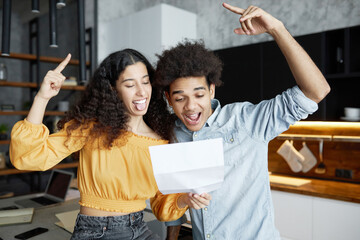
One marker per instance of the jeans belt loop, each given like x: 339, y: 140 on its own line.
x: 110, y: 222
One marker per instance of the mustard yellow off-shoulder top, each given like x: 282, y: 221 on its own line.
x: 119, y: 179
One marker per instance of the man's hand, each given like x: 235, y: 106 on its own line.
x: 194, y: 200
x: 254, y: 20
x: 53, y: 80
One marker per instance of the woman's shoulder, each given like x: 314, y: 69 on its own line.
x: 78, y: 128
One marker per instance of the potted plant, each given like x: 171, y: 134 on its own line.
x: 3, y: 131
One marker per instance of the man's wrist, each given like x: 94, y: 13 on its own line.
x: 277, y: 30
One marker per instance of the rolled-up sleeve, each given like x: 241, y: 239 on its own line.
x: 269, y: 118
x: 303, y: 106
x: 33, y: 148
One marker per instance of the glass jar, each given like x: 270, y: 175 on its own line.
x: 3, y: 72
x: 2, y: 160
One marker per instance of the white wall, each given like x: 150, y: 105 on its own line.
x: 149, y: 31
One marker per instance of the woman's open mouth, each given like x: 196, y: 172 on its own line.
x: 140, y: 105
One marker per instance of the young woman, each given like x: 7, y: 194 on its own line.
x: 112, y: 127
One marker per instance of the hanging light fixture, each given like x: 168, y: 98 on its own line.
x: 81, y: 28
x: 35, y: 6
x: 52, y: 23
x: 5, y: 44
x: 60, y: 4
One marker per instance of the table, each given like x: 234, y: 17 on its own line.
x: 45, y: 217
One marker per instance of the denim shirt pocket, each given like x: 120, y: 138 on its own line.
x: 232, y: 152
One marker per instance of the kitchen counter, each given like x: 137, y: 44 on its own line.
x: 349, y: 192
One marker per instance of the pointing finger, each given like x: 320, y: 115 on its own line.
x: 63, y: 64
x: 236, y: 10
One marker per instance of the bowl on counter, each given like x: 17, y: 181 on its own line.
x: 351, y: 114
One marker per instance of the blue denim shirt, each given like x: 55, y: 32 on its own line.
x: 242, y: 208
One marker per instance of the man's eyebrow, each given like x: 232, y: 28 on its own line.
x: 195, y: 89
x: 199, y: 88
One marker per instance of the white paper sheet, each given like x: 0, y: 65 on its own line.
x: 196, y: 167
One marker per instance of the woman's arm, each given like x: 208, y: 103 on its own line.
x: 173, y: 206
x: 31, y: 146
x: 49, y: 88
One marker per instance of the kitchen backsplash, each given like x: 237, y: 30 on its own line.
x: 341, y: 150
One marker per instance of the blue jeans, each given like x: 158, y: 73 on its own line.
x: 127, y: 227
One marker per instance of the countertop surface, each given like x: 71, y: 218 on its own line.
x: 349, y: 192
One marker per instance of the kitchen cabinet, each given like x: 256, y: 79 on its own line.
x: 277, y: 76
x: 241, y: 74
x: 342, y: 70
x: 293, y: 215
x: 335, y: 219
x: 313, y: 218
x: 264, y: 72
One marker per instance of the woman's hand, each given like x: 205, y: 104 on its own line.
x: 53, y: 81
x: 194, y: 200
x: 49, y: 88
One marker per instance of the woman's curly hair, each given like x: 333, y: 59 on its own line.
x: 104, y: 112
x: 187, y: 59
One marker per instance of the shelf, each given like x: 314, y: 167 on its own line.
x: 8, y: 171
x: 32, y: 57
x: 355, y: 139
x: 77, y: 88
x: 304, y: 137
x: 313, y: 137
x: 34, y: 85
x: 24, y: 113
x: 4, y: 142
x: 18, y: 84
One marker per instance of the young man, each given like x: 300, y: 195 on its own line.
x: 242, y: 208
